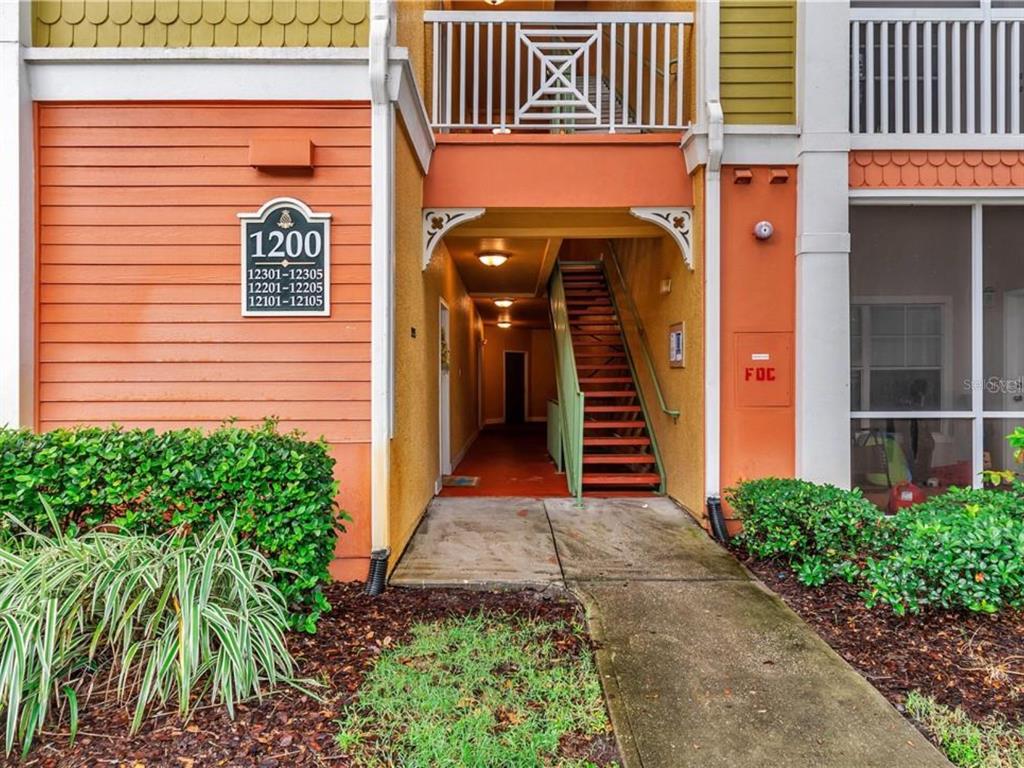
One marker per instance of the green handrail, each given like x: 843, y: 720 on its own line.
x: 570, y: 396
x: 644, y: 344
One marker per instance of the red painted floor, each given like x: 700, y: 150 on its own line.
x: 510, y: 461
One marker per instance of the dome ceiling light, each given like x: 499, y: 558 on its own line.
x: 492, y: 259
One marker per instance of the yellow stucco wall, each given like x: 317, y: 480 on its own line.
x: 200, y: 23
x: 645, y: 263
x: 414, y: 449
x: 758, y: 61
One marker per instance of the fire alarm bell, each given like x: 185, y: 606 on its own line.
x: 763, y: 230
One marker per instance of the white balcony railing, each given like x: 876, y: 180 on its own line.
x: 557, y: 71
x: 941, y: 71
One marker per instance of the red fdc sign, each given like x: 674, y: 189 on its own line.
x: 760, y: 373
x: 764, y: 369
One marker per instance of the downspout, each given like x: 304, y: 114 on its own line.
x: 382, y: 123
x: 713, y: 310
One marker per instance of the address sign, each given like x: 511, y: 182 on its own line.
x: 286, y: 260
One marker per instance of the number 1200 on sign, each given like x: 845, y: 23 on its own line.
x: 285, y: 260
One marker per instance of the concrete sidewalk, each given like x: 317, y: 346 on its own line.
x: 702, y: 665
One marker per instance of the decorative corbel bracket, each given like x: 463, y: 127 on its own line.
x: 678, y: 222
x: 438, y: 222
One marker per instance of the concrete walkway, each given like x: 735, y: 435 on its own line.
x: 702, y: 665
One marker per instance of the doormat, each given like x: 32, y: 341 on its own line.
x: 460, y: 481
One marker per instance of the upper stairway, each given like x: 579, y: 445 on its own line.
x: 618, y: 453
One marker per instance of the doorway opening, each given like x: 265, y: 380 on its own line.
x: 516, y: 385
x: 543, y: 396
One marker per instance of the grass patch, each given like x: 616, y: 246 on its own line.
x: 479, y: 691
x: 968, y: 744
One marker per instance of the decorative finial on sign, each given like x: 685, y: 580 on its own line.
x: 285, y: 222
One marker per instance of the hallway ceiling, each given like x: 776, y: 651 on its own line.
x: 525, y: 312
x: 526, y: 272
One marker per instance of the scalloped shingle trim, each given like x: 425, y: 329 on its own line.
x: 876, y: 169
x: 200, y: 23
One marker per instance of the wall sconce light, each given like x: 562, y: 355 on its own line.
x: 492, y: 259
x: 494, y: 2
x: 503, y: 303
x: 504, y: 324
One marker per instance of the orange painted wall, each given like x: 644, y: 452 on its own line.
x: 758, y: 295
x: 538, y: 345
x: 543, y: 171
x: 139, y: 319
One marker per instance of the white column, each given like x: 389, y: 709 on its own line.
x: 823, y: 244
x: 17, y: 255
x: 710, y: 116
x: 382, y: 269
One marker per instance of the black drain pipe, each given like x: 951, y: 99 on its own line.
x: 719, y: 530
x: 377, y: 578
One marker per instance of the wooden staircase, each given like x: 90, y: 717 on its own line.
x: 617, y: 450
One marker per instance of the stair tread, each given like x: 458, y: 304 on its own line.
x: 602, y: 424
x: 607, y: 379
x: 628, y: 478
x: 615, y: 441
x: 604, y: 393
x: 611, y: 409
x: 618, y: 458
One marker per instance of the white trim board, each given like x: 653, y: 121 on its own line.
x: 745, y: 145
x: 955, y: 196
x: 909, y: 142
x: 227, y: 74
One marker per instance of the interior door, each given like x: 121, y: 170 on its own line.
x: 515, y: 387
x: 444, y: 421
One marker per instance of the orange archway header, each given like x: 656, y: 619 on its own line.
x: 545, y: 171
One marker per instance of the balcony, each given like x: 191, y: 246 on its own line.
x: 937, y: 73
x: 558, y: 72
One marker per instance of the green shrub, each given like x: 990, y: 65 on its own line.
x: 961, y: 550
x: 163, y: 616
x: 822, y: 531
x: 279, y: 487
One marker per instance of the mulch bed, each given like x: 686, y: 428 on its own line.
x: 289, y: 729
x: 973, y: 661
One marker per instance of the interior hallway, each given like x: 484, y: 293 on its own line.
x: 510, y: 460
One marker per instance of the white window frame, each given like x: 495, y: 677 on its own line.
x: 977, y: 201
x: 946, y: 304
